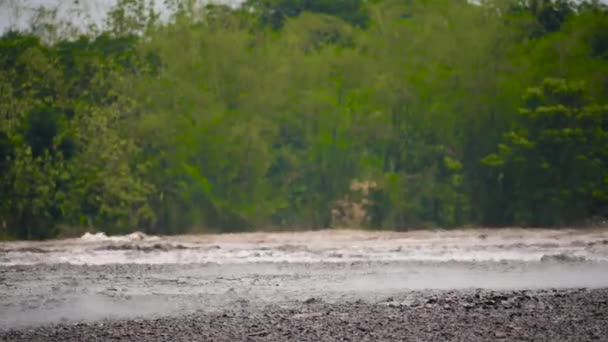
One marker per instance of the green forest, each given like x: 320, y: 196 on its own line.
x: 307, y: 114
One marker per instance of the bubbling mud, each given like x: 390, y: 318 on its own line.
x: 475, y: 245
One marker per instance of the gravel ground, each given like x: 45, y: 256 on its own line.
x: 481, y: 315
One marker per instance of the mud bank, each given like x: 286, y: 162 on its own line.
x: 481, y: 315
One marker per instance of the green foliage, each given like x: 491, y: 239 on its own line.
x: 555, y: 160
x: 228, y: 119
x: 65, y: 158
x: 275, y: 12
x: 548, y: 15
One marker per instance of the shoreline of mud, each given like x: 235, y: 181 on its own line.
x: 466, y: 315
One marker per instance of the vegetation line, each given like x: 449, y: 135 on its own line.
x: 315, y: 114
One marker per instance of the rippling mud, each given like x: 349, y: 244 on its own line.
x: 511, y: 284
x: 478, y: 245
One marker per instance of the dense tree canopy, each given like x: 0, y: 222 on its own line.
x: 286, y: 114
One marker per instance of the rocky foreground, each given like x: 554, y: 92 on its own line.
x: 542, y: 315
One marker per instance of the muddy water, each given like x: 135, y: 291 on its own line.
x: 96, y: 277
x: 314, y: 247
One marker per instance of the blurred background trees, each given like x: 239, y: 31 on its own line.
x: 280, y: 114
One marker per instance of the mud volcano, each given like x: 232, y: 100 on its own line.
x: 473, y: 285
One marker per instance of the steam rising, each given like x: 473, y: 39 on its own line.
x: 98, y: 276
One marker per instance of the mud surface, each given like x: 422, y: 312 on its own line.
x: 477, y: 285
x: 559, y: 315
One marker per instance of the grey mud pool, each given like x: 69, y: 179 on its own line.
x: 101, y: 285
